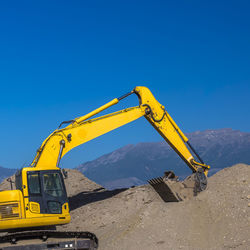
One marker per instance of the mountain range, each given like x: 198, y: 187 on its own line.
x: 135, y: 164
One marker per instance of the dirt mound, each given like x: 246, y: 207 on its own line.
x: 77, y: 183
x: 136, y: 218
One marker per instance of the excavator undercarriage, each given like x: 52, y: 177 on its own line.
x: 47, y: 239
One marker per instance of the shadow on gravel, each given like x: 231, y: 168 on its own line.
x: 85, y: 198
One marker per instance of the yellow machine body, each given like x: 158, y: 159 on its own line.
x: 22, y: 208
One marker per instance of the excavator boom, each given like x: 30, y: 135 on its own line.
x: 79, y: 132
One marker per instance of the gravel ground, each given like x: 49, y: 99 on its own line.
x: 136, y: 218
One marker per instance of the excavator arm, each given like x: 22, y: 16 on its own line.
x: 78, y: 132
x: 160, y: 119
x: 83, y: 129
x: 41, y: 199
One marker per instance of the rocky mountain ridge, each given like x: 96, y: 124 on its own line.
x: 135, y: 164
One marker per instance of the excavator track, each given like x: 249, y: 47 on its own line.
x: 47, y: 239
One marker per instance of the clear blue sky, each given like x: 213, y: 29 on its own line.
x: 61, y: 59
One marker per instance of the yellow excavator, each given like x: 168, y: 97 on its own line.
x: 40, y: 198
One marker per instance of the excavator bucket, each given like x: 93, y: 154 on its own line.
x: 170, y: 189
x: 164, y: 187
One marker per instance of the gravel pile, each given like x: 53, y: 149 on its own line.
x: 137, y: 218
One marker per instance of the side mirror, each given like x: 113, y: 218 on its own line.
x: 11, y: 182
x: 65, y: 173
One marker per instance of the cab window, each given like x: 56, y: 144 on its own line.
x: 53, y: 184
x: 34, y: 183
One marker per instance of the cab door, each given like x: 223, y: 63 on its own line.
x: 54, y: 192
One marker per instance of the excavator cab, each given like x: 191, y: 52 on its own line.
x: 46, y: 190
